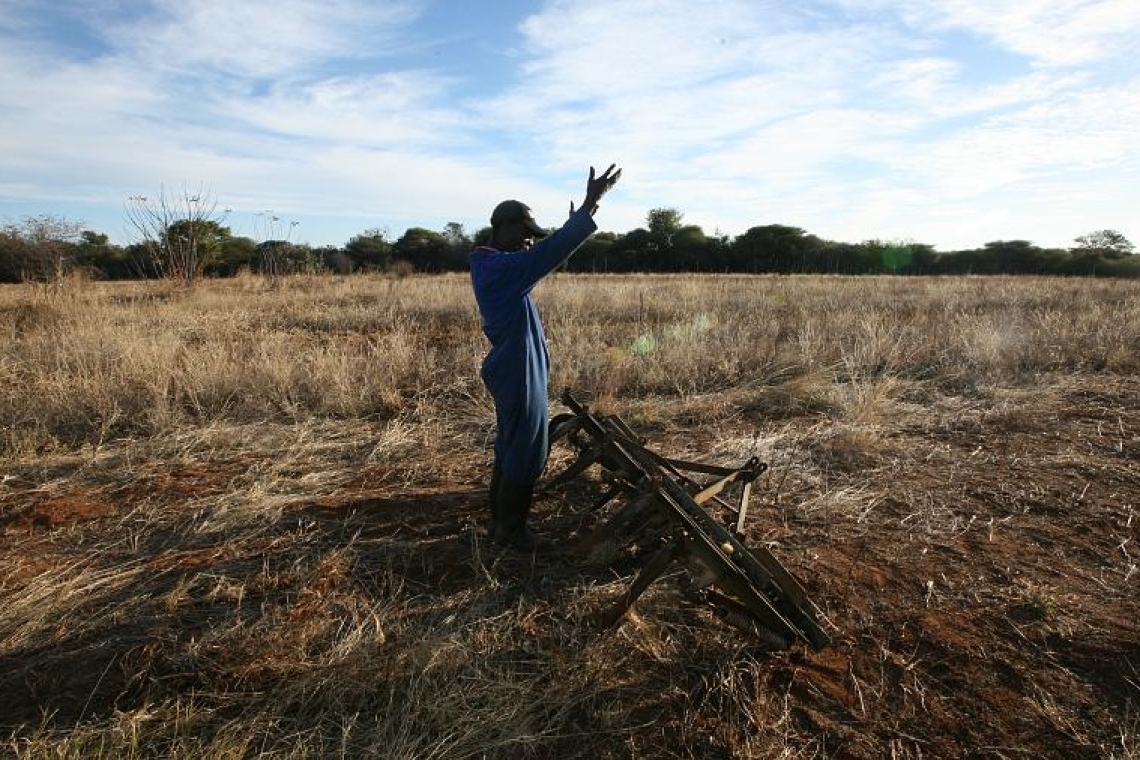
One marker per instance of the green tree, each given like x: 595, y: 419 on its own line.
x: 334, y: 258
x: 693, y: 251
x: 12, y: 253
x: 424, y: 249
x: 237, y: 252
x: 1108, y: 244
x: 776, y: 248
x: 181, y: 234
x: 196, y: 242
x: 888, y: 255
x: 844, y: 258
x: 369, y: 250
x: 663, y: 224
x: 1011, y: 257
x: 594, y: 254
x: 279, y: 257
x: 923, y: 259
x: 456, y: 236
x: 634, y: 252
x: 459, y: 245
x: 94, y: 251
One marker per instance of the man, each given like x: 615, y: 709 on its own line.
x: 517, y: 369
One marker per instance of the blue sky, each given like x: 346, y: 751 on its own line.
x: 949, y: 122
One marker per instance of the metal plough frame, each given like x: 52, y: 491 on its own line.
x: 747, y: 587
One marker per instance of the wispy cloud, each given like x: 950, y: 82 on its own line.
x: 1050, y: 32
x: 825, y: 124
x: 257, y: 38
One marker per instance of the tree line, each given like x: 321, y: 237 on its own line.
x: 189, y: 240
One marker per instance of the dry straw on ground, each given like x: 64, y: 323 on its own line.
x: 239, y: 520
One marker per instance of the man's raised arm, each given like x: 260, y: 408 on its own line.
x: 547, y: 255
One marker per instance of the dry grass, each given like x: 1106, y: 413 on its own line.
x: 237, y: 520
x: 99, y: 361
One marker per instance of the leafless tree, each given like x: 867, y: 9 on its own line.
x: 179, y: 232
x: 275, y: 234
x: 45, y: 245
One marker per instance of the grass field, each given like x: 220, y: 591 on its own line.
x: 246, y: 520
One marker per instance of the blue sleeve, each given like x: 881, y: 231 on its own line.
x: 546, y: 255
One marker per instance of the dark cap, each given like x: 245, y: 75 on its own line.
x: 516, y: 211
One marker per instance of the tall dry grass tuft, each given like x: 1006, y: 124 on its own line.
x: 119, y: 360
x: 94, y: 361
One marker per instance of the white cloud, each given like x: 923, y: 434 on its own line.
x: 1040, y: 144
x: 1050, y: 32
x: 747, y: 121
x: 667, y: 87
x: 386, y: 110
x: 155, y: 107
x: 257, y: 38
x: 852, y: 118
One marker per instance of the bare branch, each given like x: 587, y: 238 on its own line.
x: 176, y: 231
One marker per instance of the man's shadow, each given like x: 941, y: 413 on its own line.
x: 124, y: 644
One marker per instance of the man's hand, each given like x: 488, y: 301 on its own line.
x: 597, y: 187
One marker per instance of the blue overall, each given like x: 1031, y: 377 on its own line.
x: 517, y: 370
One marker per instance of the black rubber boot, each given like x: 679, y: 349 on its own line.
x: 511, y: 530
x: 493, y: 498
